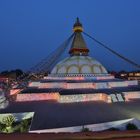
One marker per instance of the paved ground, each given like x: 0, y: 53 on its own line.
x: 106, y: 135
x: 54, y: 115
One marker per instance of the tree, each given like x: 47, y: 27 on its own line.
x: 8, y: 121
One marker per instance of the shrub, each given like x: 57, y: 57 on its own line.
x: 131, y: 126
x: 85, y: 129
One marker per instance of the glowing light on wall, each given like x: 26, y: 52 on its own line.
x: 15, y: 91
x: 131, y: 95
x: 84, y: 98
x: 132, y: 82
x: 101, y: 85
x: 37, y: 96
x: 63, y: 98
x: 34, y: 84
x: 94, y: 85
x: 117, y: 84
x: 80, y: 77
x: 87, y: 85
x: 53, y: 85
x: 79, y: 85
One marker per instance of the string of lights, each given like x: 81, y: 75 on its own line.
x: 112, y: 51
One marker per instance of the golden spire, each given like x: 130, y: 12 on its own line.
x: 78, y: 46
x: 77, y: 27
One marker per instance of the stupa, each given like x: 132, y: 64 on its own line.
x: 78, y: 78
x: 79, y: 61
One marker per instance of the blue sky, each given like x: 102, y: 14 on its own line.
x: 31, y: 29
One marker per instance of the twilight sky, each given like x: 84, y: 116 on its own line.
x: 31, y: 29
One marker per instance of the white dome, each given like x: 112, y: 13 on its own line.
x: 79, y: 65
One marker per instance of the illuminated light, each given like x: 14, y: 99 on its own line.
x: 105, y: 77
x: 109, y: 99
x: 38, y: 96
x: 123, y: 74
x: 79, y: 85
x: 52, y: 85
x: 137, y: 74
x: 132, y: 82
x: 64, y: 98
x: 84, y: 98
x: 34, y: 84
x: 101, y: 85
x: 15, y: 91
x: 4, y: 79
x: 80, y: 77
x: 131, y: 74
x: 131, y: 95
x: 117, y: 84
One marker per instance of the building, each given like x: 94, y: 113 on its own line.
x: 4, y: 79
x: 132, y: 75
